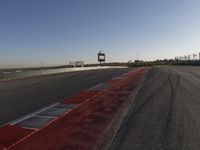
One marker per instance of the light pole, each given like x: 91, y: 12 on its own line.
x: 194, y: 56
x: 199, y: 56
x: 188, y: 57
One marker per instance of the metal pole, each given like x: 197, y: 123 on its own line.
x: 199, y: 56
x: 188, y: 57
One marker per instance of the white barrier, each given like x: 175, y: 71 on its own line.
x: 21, y: 74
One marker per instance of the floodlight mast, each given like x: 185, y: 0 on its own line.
x: 199, y: 56
x: 137, y: 55
x: 189, y: 57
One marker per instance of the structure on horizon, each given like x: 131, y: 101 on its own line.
x: 101, y: 57
x: 76, y: 64
x: 190, y: 57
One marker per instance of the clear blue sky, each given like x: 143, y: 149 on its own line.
x: 59, y: 31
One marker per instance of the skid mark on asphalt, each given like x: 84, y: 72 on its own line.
x: 168, y: 126
x: 167, y: 119
x: 152, y: 95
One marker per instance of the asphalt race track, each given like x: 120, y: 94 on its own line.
x: 166, y: 112
x: 21, y: 97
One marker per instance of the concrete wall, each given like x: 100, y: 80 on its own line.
x: 18, y: 74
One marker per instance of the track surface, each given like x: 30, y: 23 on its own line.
x: 166, y: 112
x: 20, y: 97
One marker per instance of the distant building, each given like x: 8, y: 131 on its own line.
x: 76, y: 63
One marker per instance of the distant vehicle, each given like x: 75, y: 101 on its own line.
x: 19, y: 71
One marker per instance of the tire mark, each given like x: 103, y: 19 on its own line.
x: 166, y: 133
x: 150, y: 97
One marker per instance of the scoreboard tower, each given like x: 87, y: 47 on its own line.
x: 101, y: 57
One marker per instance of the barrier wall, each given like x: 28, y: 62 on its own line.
x: 21, y: 74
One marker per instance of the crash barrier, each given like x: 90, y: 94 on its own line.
x: 22, y: 74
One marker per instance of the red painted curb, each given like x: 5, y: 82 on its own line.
x: 80, y: 127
